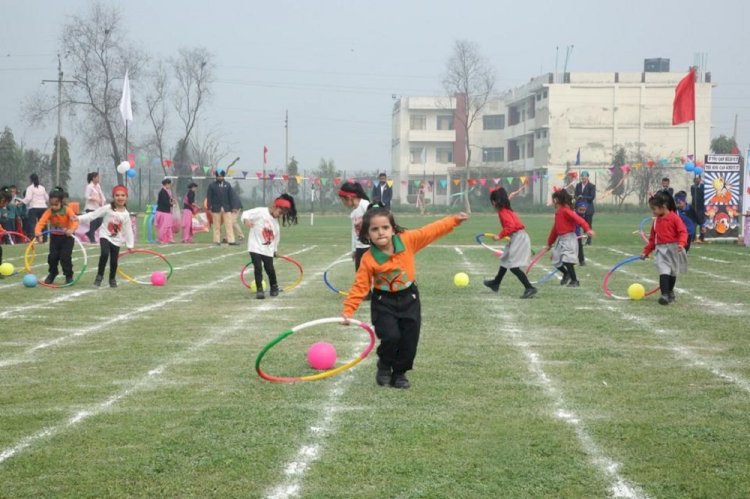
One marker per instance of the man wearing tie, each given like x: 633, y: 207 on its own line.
x: 382, y: 193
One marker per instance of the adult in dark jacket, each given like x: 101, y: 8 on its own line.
x: 698, y: 202
x: 382, y: 193
x: 219, y: 201
x: 586, y: 192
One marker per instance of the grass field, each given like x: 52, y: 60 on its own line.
x: 151, y: 392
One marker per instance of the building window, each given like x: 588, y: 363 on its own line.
x: 417, y: 122
x: 445, y: 122
x: 493, y: 154
x: 415, y: 155
x: 514, y: 152
x: 494, y: 121
x: 544, y: 93
x: 514, y: 117
x: 530, y: 147
x: 444, y: 155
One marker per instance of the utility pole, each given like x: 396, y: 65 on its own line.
x: 59, y: 82
x: 286, y: 140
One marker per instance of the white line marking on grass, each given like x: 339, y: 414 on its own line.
x: 76, y: 294
x: 146, y: 381
x: 619, y: 487
x: 713, y: 306
x: 309, y: 452
x: 80, y: 416
x: 311, y: 449
x: 80, y: 332
x: 681, y: 351
x: 708, y: 259
x: 719, y: 277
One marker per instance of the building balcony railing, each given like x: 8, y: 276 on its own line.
x: 432, y: 136
x: 522, y: 128
x: 524, y: 164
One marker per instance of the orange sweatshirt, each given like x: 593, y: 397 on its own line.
x: 59, y: 220
x: 394, y: 272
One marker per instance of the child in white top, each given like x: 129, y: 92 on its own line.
x: 263, y: 238
x: 353, y: 196
x: 116, y: 229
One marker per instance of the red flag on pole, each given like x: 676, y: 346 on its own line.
x: 684, y: 99
x: 265, y: 155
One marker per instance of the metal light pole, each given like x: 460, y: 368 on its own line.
x: 59, y: 82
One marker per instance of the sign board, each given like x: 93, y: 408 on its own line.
x: 723, y: 178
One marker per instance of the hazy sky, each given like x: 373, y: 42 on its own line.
x: 336, y: 64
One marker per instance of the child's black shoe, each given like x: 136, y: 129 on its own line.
x: 664, y: 300
x: 574, y: 284
x: 528, y: 293
x: 49, y: 279
x: 68, y: 280
x: 383, y: 376
x: 490, y: 283
x: 565, y: 280
x: 399, y: 381
x: 259, y: 295
x: 671, y: 297
x: 112, y: 283
x: 274, y: 291
x: 98, y: 280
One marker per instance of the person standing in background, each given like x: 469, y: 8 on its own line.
x: 586, y: 191
x: 189, y: 208
x: 698, y: 202
x: 382, y: 193
x: 219, y: 202
x: 94, y: 200
x: 36, y: 200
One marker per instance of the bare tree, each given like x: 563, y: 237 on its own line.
x: 194, y: 72
x: 96, y: 47
x: 206, y: 149
x: 470, y: 80
x: 156, y: 105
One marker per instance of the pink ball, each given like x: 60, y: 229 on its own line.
x: 321, y: 356
x: 158, y: 278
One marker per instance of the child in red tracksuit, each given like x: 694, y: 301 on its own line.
x: 517, y: 253
x: 563, y: 237
x: 63, y: 224
x: 668, y: 238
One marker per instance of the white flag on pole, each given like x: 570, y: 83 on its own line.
x: 126, y: 107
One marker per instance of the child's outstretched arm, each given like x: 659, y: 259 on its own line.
x: 419, y: 238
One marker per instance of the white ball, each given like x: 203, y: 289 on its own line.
x: 123, y: 167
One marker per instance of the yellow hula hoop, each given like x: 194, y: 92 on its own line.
x: 29, y: 261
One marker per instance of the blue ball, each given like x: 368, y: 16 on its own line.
x: 131, y: 173
x: 30, y: 280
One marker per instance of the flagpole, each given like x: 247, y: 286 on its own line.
x: 264, y: 175
x: 695, y: 131
x: 125, y: 177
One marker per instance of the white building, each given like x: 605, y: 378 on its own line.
x: 537, y: 129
